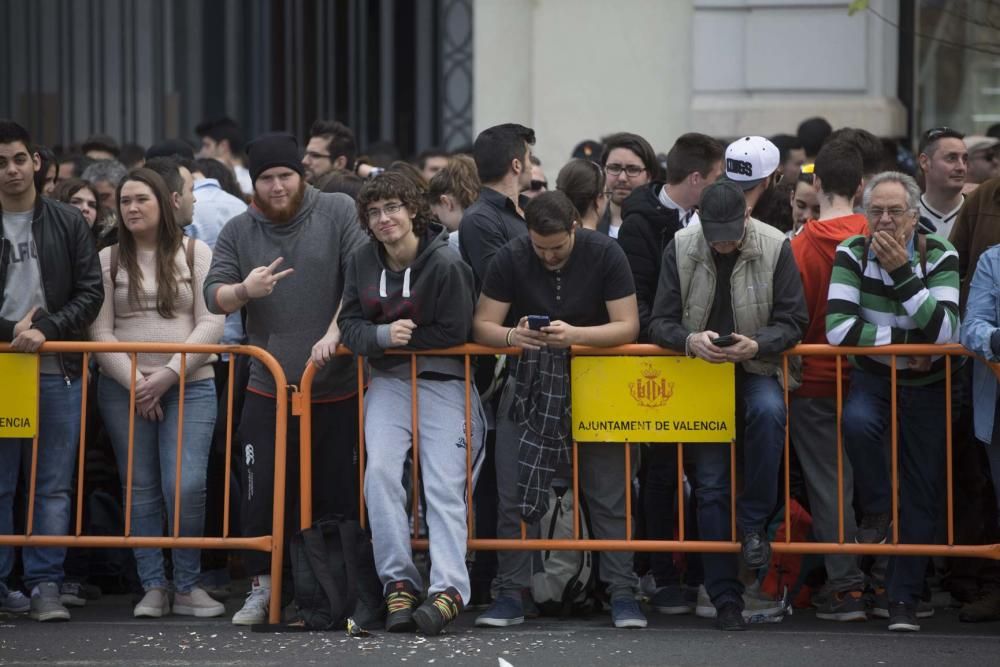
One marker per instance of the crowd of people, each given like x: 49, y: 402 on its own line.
x: 729, y: 252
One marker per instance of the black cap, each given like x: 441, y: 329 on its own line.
x: 722, y: 211
x: 588, y: 149
x: 170, y: 148
x: 274, y: 149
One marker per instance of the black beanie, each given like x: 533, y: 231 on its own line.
x: 275, y: 149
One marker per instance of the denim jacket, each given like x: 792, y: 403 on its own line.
x: 982, y: 317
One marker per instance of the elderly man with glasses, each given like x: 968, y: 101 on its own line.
x: 896, y: 286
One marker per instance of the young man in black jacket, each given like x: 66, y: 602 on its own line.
x: 50, y: 290
x: 408, y: 289
x: 655, y: 211
x: 651, y: 215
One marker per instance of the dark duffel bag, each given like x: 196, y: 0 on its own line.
x: 334, y: 579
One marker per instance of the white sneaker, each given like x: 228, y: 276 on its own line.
x: 197, y: 603
x: 755, y: 603
x: 704, y: 608
x: 154, y: 604
x: 255, y: 608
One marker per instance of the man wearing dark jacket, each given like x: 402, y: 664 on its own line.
x: 655, y: 211
x: 651, y: 215
x: 50, y: 290
x: 732, y: 276
x: 503, y: 161
x: 408, y: 289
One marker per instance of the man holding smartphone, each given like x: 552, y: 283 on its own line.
x: 562, y: 286
x: 730, y: 291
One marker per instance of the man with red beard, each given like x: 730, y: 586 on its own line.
x: 283, y: 261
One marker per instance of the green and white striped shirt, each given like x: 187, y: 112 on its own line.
x: 869, y: 306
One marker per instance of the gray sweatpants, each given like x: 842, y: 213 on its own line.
x: 813, y: 429
x: 602, y: 484
x: 442, y: 446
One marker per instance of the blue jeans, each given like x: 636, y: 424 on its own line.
x: 921, y: 447
x: 58, y: 439
x: 763, y: 446
x: 711, y: 485
x: 154, y: 465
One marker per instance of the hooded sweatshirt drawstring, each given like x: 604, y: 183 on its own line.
x: 384, y: 293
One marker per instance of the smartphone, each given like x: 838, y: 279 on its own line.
x: 536, y: 322
x: 724, y: 341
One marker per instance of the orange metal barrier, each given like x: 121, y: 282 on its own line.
x: 272, y: 543
x: 302, y: 406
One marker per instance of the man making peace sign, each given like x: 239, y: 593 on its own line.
x: 282, y: 261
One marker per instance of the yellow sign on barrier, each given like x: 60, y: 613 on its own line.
x: 652, y: 399
x: 18, y: 395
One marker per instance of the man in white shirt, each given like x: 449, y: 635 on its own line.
x: 223, y: 140
x: 944, y: 161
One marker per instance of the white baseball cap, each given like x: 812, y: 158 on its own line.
x: 750, y: 160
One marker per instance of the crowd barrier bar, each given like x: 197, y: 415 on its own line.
x: 630, y: 544
x: 272, y: 543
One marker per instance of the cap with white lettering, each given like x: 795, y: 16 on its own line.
x: 750, y: 160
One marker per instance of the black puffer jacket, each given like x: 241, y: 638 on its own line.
x: 647, y: 228
x: 71, y: 278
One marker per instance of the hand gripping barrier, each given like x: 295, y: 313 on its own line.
x: 272, y: 543
x: 302, y: 406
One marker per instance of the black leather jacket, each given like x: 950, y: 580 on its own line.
x: 71, y: 278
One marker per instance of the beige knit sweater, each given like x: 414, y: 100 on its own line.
x: 123, y: 321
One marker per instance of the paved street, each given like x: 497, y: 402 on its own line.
x: 104, y: 633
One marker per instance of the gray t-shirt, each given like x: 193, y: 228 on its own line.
x: 24, y: 289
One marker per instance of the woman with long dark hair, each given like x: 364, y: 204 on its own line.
x: 153, y: 285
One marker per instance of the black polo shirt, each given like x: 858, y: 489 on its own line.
x: 486, y: 226
x: 597, y: 271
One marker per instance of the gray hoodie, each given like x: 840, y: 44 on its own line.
x: 288, y: 322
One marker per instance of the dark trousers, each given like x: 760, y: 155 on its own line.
x: 216, y: 474
x: 659, y: 505
x: 921, y: 414
x: 334, y: 471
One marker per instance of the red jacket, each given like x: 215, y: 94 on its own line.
x: 814, y: 249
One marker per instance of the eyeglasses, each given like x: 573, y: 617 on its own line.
x: 985, y: 156
x: 631, y: 170
x: 375, y: 214
x: 896, y: 214
x: 313, y: 155
x: 536, y: 186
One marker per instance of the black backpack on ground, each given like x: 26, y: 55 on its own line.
x: 335, y: 583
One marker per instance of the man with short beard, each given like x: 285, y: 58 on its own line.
x: 283, y: 261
